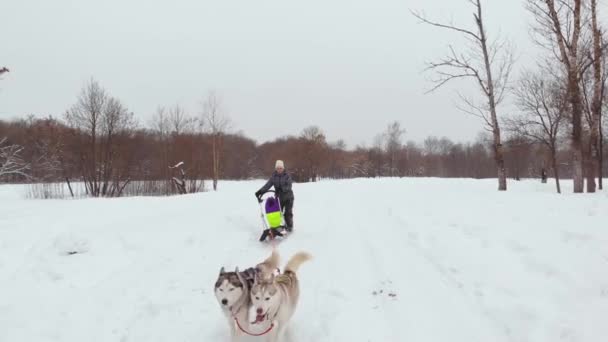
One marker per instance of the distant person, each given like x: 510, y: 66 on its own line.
x: 281, y: 181
x: 543, y: 175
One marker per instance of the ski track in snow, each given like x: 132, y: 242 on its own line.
x: 393, y: 260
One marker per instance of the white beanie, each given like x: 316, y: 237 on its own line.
x: 279, y: 164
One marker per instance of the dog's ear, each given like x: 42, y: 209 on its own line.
x: 241, y: 279
x: 222, y: 271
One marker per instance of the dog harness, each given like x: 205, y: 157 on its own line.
x: 253, y: 334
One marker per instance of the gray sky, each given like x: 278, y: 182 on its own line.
x: 348, y: 66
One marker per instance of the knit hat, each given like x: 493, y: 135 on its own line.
x: 279, y: 164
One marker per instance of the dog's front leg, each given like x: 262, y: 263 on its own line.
x: 273, y: 335
x: 281, y: 333
x: 234, y: 332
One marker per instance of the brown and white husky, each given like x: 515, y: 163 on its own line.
x: 274, y: 298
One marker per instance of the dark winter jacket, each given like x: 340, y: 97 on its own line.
x: 282, y: 185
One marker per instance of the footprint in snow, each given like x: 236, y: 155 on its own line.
x: 384, y: 293
x: 70, y: 244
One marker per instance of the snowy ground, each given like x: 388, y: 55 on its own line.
x: 395, y: 260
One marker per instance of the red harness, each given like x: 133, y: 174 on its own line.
x: 252, y: 334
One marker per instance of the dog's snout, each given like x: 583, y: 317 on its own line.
x: 260, y: 311
x: 224, y: 301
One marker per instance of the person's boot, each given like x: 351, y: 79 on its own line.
x: 264, y: 235
x: 289, y: 224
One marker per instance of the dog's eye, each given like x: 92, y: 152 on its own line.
x: 232, y: 289
x: 258, y: 298
x: 221, y: 290
x: 267, y: 298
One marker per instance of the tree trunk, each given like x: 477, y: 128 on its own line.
x: 577, y: 132
x: 556, y: 175
x: 86, y: 188
x: 93, y: 166
x: 555, y: 170
x: 590, y: 163
x: 216, y: 168
x: 498, y: 149
x: 502, y: 172
x: 600, y: 164
x: 123, y: 187
x: 576, y: 102
x: 67, y: 180
x: 596, y: 104
x: 214, y: 157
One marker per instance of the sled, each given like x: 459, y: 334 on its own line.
x: 272, y: 217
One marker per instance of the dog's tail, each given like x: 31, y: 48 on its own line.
x: 273, y: 260
x: 298, y: 259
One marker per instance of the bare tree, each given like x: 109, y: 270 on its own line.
x: 489, y: 64
x: 161, y: 126
x: 11, y: 162
x: 179, y: 121
x: 217, y: 123
x: 543, y: 104
x: 85, y: 116
x: 315, y: 148
x: 559, y: 28
x: 393, y: 144
x: 116, y: 121
x: 601, y: 118
x: 160, y: 122
x: 591, y: 124
x: 101, y: 119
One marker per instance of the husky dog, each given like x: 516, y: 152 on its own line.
x: 232, y: 290
x: 274, y: 298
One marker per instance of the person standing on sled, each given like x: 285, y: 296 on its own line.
x: 281, y: 181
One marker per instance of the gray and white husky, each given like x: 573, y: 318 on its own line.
x: 274, y: 298
x: 232, y: 291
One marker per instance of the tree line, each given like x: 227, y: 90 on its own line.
x: 100, y: 143
x: 557, y: 128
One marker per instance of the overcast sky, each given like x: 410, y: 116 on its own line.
x: 348, y: 66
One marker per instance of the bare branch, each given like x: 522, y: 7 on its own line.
x: 474, y: 109
x: 423, y: 19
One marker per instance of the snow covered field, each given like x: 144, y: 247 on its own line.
x: 395, y: 260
